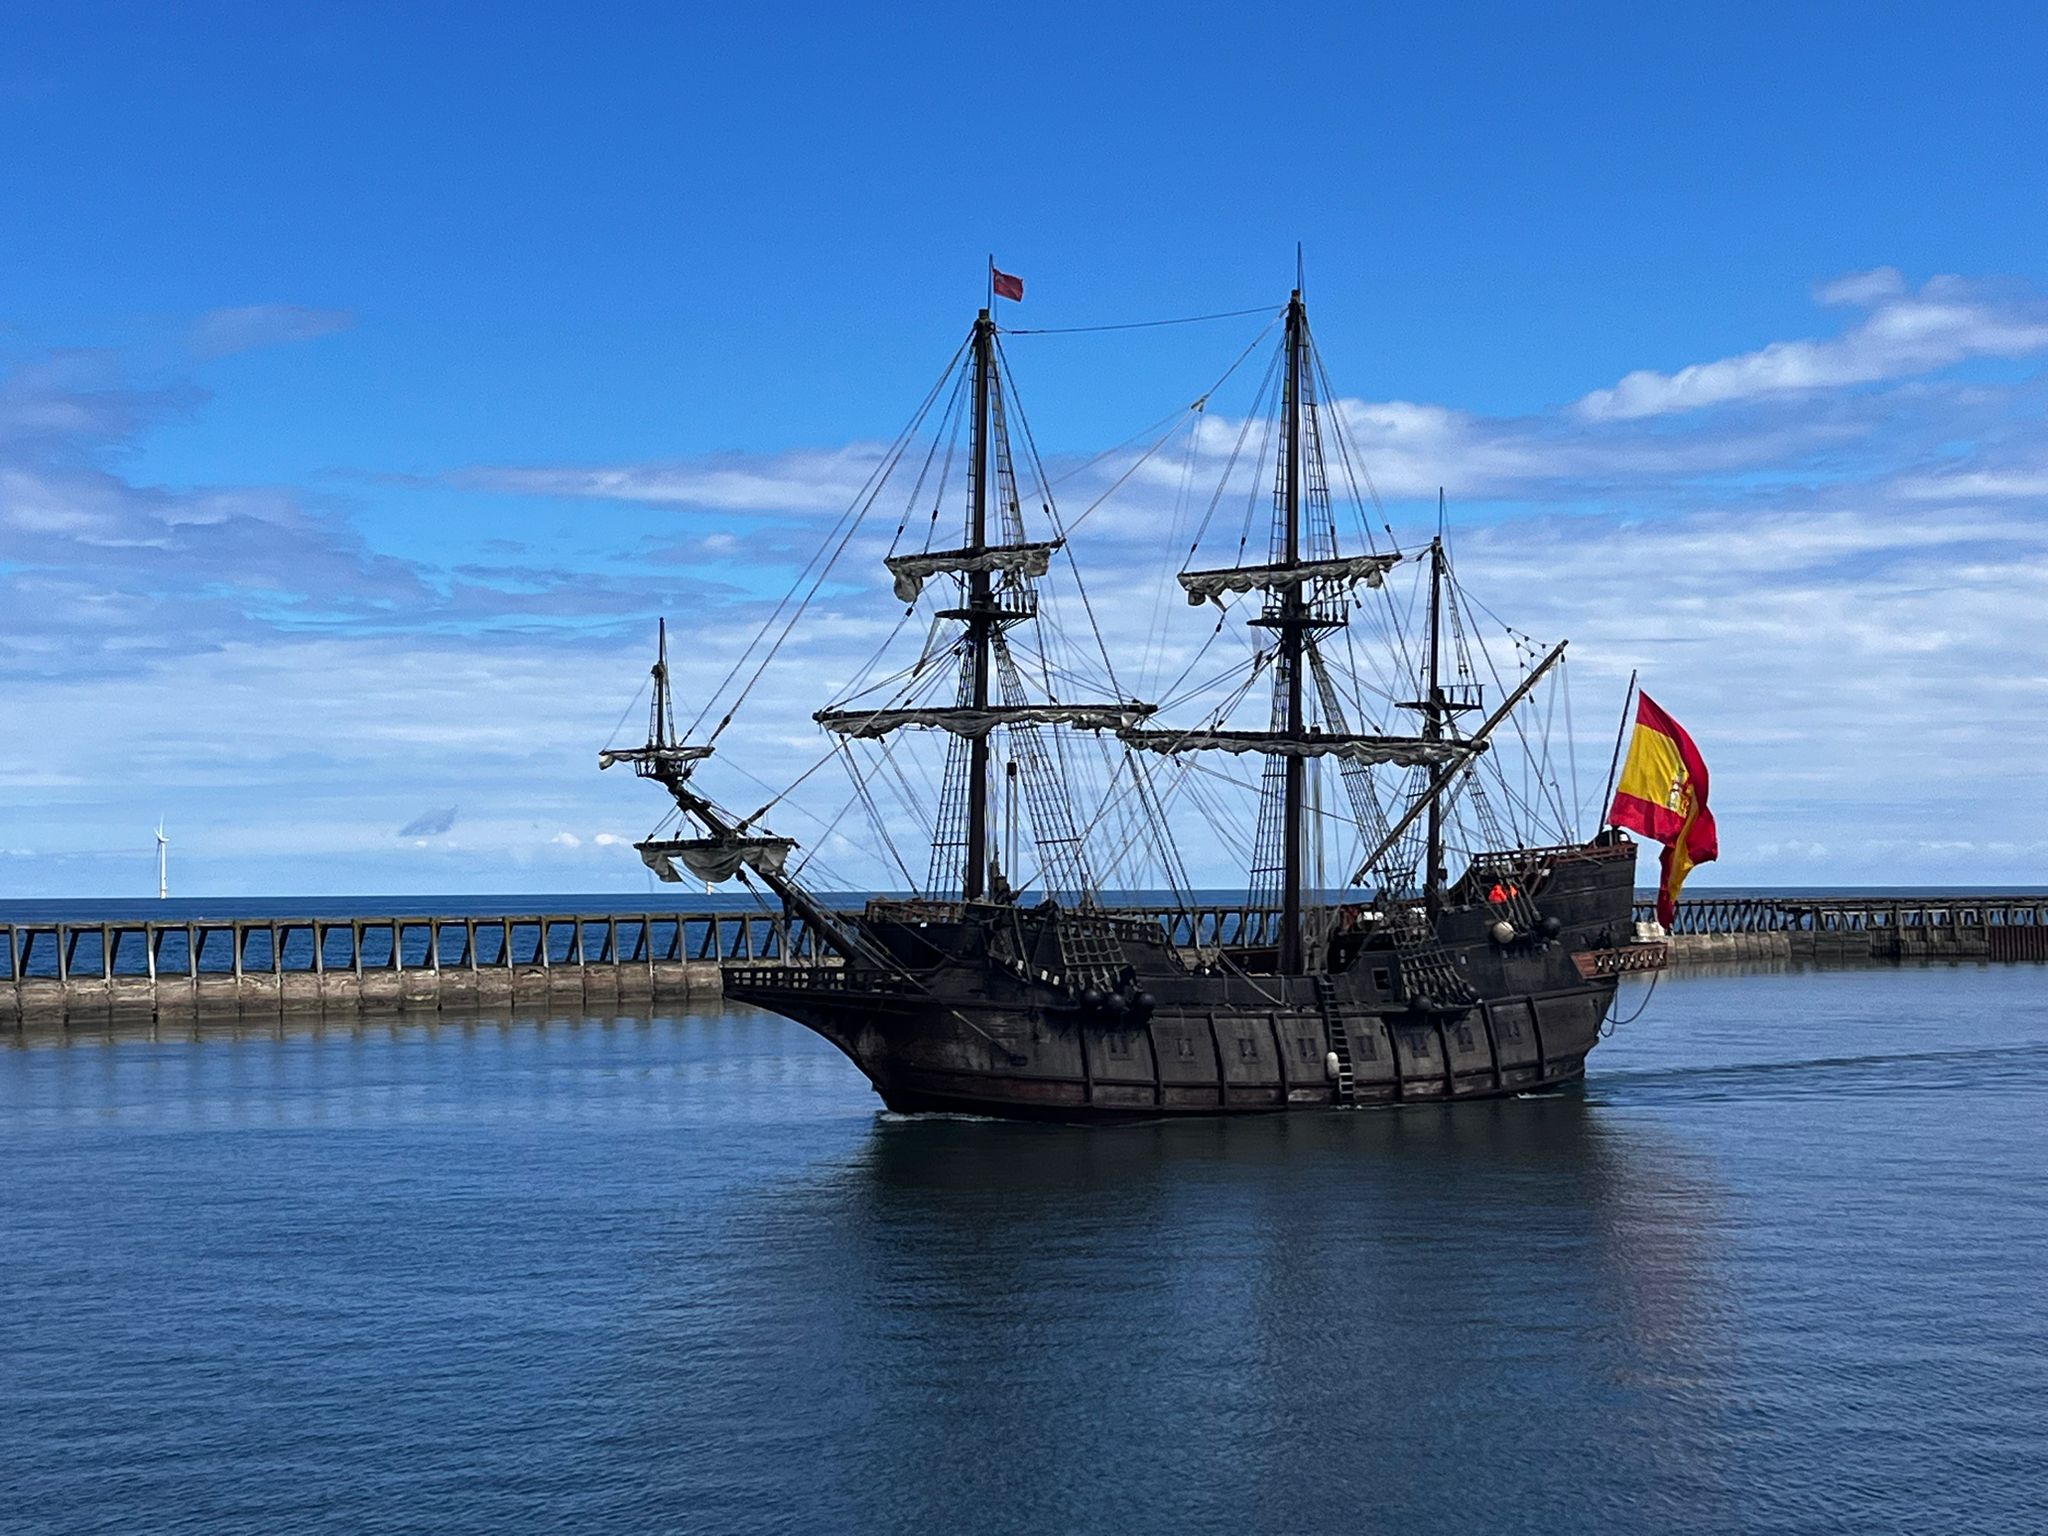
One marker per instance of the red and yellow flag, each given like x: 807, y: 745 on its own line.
x: 1663, y: 795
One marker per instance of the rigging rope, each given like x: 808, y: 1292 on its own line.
x: 1031, y: 447
x: 852, y: 517
x: 627, y: 711
x: 1131, y: 325
x: 1609, y: 1025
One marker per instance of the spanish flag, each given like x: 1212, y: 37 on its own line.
x: 1663, y: 795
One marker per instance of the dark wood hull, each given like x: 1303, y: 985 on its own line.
x: 991, y: 1024
x: 1226, y: 1061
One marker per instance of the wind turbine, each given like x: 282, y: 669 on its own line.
x: 163, y: 862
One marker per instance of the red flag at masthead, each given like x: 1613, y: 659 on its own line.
x: 1004, y: 285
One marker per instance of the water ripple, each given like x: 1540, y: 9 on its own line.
x: 1776, y: 1268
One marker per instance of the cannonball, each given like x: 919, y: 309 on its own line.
x: 1092, y: 998
x: 1552, y: 927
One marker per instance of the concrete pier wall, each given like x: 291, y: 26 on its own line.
x: 1716, y: 948
x: 574, y: 988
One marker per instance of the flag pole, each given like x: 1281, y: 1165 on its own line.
x: 991, y: 282
x: 1614, y: 763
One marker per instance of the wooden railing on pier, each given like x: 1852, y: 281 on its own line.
x: 362, y: 945
x: 1862, y: 927
x: 51, y: 970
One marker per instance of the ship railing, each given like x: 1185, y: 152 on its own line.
x: 805, y: 978
x: 1522, y: 858
x: 812, y: 978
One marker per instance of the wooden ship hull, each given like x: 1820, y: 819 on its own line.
x: 982, y: 1017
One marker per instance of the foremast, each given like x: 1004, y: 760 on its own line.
x: 997, y: 569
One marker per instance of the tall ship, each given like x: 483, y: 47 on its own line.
x: 1021, y: 981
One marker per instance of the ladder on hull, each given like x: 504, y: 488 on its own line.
x: 1340, y: 1041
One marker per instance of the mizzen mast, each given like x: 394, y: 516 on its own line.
x: 1439, y: 706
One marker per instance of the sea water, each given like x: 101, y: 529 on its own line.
x: 1779, y: 1266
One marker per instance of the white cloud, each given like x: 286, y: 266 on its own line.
x: 1791, y: 849
x: 1977, y: 485
x: 221, y: 332
x: 1946, y: 322
x: 803, y: 481
x: 1862, y: 290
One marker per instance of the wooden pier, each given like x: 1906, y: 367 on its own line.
x: 52, y: 972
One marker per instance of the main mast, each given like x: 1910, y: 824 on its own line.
x: 1293, y: 622
x: 980, y: 615
x: 996, y: 567
x: 1305, y: 582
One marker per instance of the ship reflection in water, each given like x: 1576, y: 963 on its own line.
x: 1775, y: 1267
x: 1282, y: 1325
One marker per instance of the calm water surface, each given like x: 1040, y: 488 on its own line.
x: 1780, y: 1267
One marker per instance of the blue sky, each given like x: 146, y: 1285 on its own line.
x: 371, y: 375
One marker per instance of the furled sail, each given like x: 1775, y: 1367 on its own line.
x: 912, y: 571
x: 652, y: 754
x: 1205, y: 586
x: 715, y: 858
x: 1404, y: 751
x: 865, y: 724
